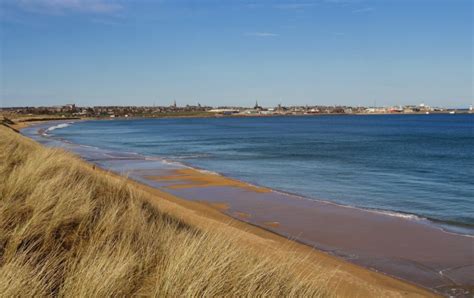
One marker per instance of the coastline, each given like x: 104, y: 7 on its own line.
x: 446, y: 225
x: 349, y: 279
x: 354, y: 234
x: 92, y: 234
x: 24, y: 122
x: 207, y: 184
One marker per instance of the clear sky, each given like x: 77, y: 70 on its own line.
x: 225, y: 52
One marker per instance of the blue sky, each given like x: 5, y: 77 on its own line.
x: 354, y: 52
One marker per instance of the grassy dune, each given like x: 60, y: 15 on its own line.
x: 68, y: 230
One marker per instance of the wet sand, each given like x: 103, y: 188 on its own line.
x: 413, y: 250
x: 190, y: 178
x: 410, y: 249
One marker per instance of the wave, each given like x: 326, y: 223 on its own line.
x: 450, y: 227
x: 397, y: 214
x: 87, y: 146
x: 62, y: 125
x: 168, y: 162
x: 58, y: 126
x: 211, y: 173
x: 191, y: 156
x: 378, y: 211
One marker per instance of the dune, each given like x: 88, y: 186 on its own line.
x: 68, y: 228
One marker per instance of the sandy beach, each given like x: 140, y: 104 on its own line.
x: 386, y: 243
x: 263, y: 234
x: 352, y: 240
x: 349, y: 279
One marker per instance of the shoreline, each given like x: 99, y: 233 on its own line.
x: 454, y: 228
x: 391, y: 222
x: 440, y: 224
x: 189, y: 183
x: 216, y: 211
x: 24, y: 122
x: 143, y: 243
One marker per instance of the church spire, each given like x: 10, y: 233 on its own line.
x: 256, y: 105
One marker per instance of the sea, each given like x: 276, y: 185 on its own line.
x: 419, y: 166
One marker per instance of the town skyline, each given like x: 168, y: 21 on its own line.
x: 191, y: 103
x: 198, y: 110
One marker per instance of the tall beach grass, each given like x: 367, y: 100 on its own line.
x: 67, y: 230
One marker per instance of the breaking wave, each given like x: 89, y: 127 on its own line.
x: 59, y: 126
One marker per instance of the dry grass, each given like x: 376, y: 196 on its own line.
x: 66, y: 230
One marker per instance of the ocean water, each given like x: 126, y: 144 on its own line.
x: 409, y: 165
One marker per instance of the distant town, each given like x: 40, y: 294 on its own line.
x: 71, y: 110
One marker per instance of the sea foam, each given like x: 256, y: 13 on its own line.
x: 59, y: 126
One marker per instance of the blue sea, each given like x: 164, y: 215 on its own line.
x: 409, y: 165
